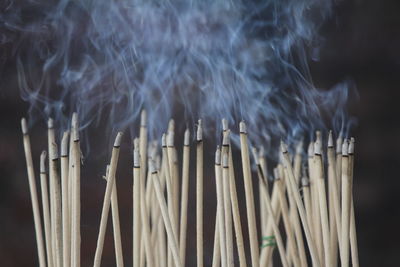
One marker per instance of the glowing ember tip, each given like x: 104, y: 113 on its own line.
x: 218, y: 156
x: 330, y: 139
x: 242, y: 127
x: 224, y: 124
x: 24, y: 126
x: 118, y: 138
x: 199, y: 131
x: 43, y: 161
x: 345, y: 147
x: 186, y: 140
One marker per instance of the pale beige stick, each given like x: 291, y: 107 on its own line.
x: 346, y: 204
x: 227, y: 210
x: 143, y: 160
x: 184, y: 198
x: 248, y: 186
x: 45, y: 206
x: 274, y: 224
x: 305, y: 185
x: 172, y: 241
x: 234, y: 198
x: 220, y: 233
x: 322, y: 200
x: 353, y: 232
x: 76, y: 195
x: 66, y: 237
x: 310, y: 162
x: 170, y: 198
x: 136, y: 205
x: 199, y: 195
x: 107, y: 200
x: 317, y: 237
x: 263, y: 214
x: 161, y: 242
x: 334, y: 204
x: 33, y: 191
x: 216, y: 260
x: 51, y: 138
x: 54, y: 176
x: 295, y: 219
x: 116, y: 223
x: 71, y: 173
x: 299, y: 204
x: 173, y: 175
x: 293, y: 254
x: 339, y: 144
x: 266, y: 252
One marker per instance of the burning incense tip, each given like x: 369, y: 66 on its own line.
x: 117, y: 142
x: 75, y: 127
x: 224, y: 125
x: 163, y: 140
x: 311, y: 149
x: 299, y: 147
x: 199, y: 131
x: 136, y: 156
x: 242, y: 127
x: 318, y: 145
x: 283, y: 147
x: 255, y: 155
x: 225, y: 138
x: 50, y: 123
x: 171, y: 125
x: 225, y: 160
x: 345, y: 147
x: 170, y: 138
x: 330, y: 139
x: 305, y: 182
x: 186, y: 139
x: 53, y: 153
x: 339, y: 143
x: 351, y: 146
x: 64, y: 144
x: 218, y: 156
x: 24, y: 126
x: 143, y: 118
x: 43, y: 161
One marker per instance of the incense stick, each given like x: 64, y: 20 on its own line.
x: 107, y: 200
x: 248, y: 186
x: 199, y: 195
x: 353, y: 231
x: 227, y: 209
x: 45, y: 207
x: 136, y: 205
x: 65, y: 200
x: 220, y: 221
x: 346, y: 203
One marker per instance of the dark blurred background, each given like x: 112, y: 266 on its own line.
x: 362, y: 42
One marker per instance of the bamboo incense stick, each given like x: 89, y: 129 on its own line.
x: 322, y: 200
x: 334, y: 204
x: 199, y: 195
x: 353, y: 231
x: 216, y: 260
x: 299, y: 204
x: 173, y: 244
x: 254, y: 248
x: 66, y: 236
x: 346, y: 203
x: 76, y: 195
x: 107, y: 200
x: 234, y: 198
x: 136, y: 205
x: 305, y: 185
x: 56, y: 190
x: 227, y: 210
x: 339, y: 145
x: 173, y: 175
x: 45, y: 207
x: 220, y: 221
x: 184, y: 199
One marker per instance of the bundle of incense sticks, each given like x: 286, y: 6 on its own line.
x: 313, y: 196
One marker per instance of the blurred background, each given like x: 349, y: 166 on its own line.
x: 362, y: 42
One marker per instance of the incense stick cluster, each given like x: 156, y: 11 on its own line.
x: 306, y: 213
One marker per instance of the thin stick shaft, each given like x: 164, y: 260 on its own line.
x: 199, y: 203
x: 116, y: 226
x: 65, y: 203
x: 228, y: 215
x: 346, y: 202
x: 184, y: 203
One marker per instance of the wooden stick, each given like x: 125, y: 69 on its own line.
x: 305, y: 185
x: 107, y: 200
x: 172, y: 158
x: 76, y: 195
x: 56, y: 191
x: 65, y: 200
x: 199, y: 195
x: 322, y: 200
x: 227, y: 210
x: 299, y: 204
x: 143, y: 161
x: 220, y: 221
x: 353, y: 232
x: 274, y: 224
x: 248, y: 186
x: 184, y: 199
x: 136, y: 205
x: 234, y: 199
x: 116, y: 222
x: 216, y: 260
x: 172, y: 241
x: 346, y: 205
x: 334, y: 203
x: 45, y: 206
